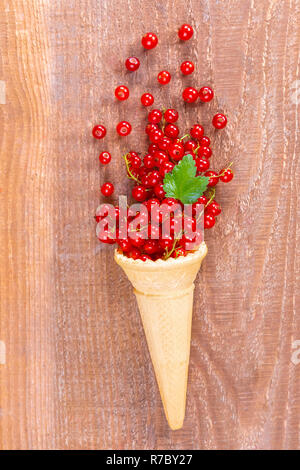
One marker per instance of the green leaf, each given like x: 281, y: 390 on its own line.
x: 183, y: 184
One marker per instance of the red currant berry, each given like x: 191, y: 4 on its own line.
x: 105, y: 157
x: 172, y: 131
x: 171, y: 115
x: 197, y: 131
x: 151, y: 247
x: 155, y: 116
x: 153, y: 202
x: 122, y: 93
x: 149, y: 161
x: 206, y: 94
x: 179, y: 252
x: 213, y: 178
x: 190, y: 146
x: 205, y: 141
x: 152, y: 148
x: 125, y: 245
x: 166, y: 243
x: 209, y: 221
x: 164, y: 143
x: 164, y: 77
x: 107, y: 189
x: 176, y: 151
x: 123, y: 128
x: 134, y: 253
x: 202, y: 165
x: 185, y: 32
x: 166, y: 168
x: 147, y: 99
x: 150, y: 128
x: 204, y: 152
x: 219, y: 121
x: 102, y: 212
x: 155, y: 136
x: 159, y: 191
x: 132, y: 64
x: 134, y: 160
x: 226, y: 175
x: 99, y: 132
x: 139, y: 193
x: 213, y: 208
x: 190, y: 95
x: 149, y: 41
x: 145, y: 257
x: 187, y: 67
x: 154, y: 178
x: 136, y: 238
x: 161, y: 157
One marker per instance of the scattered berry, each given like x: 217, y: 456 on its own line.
x: 219, y: 121
x: 190, y: 95
x: 185, y: 32
x: 99, y: 131
x: 123, y: 128
x: 187, y: 67
x: 105, y: 157
x: 171, y: 115
x: 132, y: 64
x: 122, y: 93
x: 149, y: 40
x: 164, y: 77
x: 107, y: 189
x: 206, y: 94
x: 155, y: 116
x: 147, y: 99
x: 226, y: 175
x: 209, y: 221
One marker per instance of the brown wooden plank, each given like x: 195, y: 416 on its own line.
x: 77, y: 373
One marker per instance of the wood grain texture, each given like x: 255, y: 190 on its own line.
x: 77, y: 373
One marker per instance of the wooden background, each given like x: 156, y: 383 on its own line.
x: 77, y: 373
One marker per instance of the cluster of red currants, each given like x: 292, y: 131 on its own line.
x: 165, y: 151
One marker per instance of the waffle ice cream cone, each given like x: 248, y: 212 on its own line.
x: 164, y: 292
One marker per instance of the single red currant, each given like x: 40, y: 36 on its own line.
x: 190, y: 146
x: 166, y: 168
x: 123, y: 128
x: 147, y: 99
x: 164, y: 143
x: 149, y: 40
x: 159, y: 191
x: 155, y: 136
x: 202, y: 165
x: 144, y: 257
x: 122, y: 92
x: 155, y: 116
x: 226, y: 175
x: 107, y: 189
x: 149, y: 161
x: 205, y: 141
x: 197, y: 131
x: 219, y: 121
x: 187, y: 67
x: 99, y: 131
x: 206, y: 94
x: 132, y: 64
x: 139, y: 193
x: 151, y: 247
x: 164, y: 77
x: 185, y: 32
x: 213, y: 208
x: 204, y: 152
x: 171, y: 115
x: 161, y: 157
x: 152, y: 148
x: 105, y: 157
x: 172, y: 131
x: 190, y: 95
x: 154, y: 178
x: 176, y: 151
x: 125, y: 245
x: 213, y: 178
x: 134, y: 160
x: 150, y: 128
x: 209, y: 221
